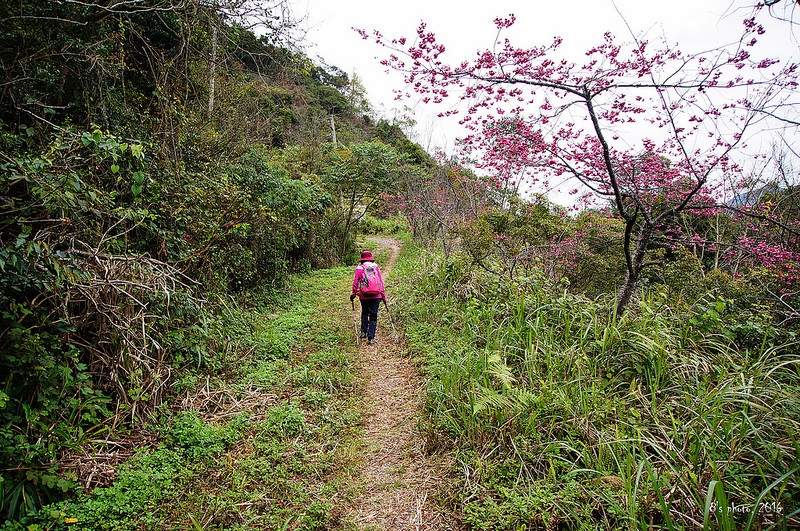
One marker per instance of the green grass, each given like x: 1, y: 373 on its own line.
x: 277, y: 460
x: 562, y: 415
x: 559, y: 415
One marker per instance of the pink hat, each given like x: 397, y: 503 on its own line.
x: 366, y: 256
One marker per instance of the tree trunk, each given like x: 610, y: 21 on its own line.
x: 212, y: 82
x: 635, y: 263
x: 347, y: 223
x: 626, y: 291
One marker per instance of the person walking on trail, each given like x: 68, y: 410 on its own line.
x: 368, y: 287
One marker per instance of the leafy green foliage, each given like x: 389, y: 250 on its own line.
x: 291, y: 210
x: 207, y: 173
x: 147, y: 481
x: 389, y: 225
x: 80, y: 195
x: 591, y: 256
x: 361, y: 175
x: 511, y: 240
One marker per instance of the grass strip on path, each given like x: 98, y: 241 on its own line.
x: 400, y: 483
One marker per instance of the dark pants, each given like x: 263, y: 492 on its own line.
x: 369, y: 316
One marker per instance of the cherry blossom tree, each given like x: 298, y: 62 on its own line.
x: 646, y: 127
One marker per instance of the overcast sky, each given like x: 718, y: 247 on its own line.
x: 466, y: 26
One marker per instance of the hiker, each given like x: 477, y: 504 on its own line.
x: 368, y: 287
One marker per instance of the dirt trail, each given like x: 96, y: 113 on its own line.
x: 400, y: 479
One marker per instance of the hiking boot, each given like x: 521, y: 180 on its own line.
x: 363, y: 335
x: 373, y: 341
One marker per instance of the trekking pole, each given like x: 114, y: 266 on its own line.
x: 355, y: 324
x: 394, y: 331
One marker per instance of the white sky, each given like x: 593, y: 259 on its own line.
x: 465, y: 27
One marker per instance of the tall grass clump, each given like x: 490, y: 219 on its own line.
x: 566, y: 416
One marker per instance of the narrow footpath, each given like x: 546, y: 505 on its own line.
x: 299, y: 429
x: 399, y: 479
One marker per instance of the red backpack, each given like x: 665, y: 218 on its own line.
x: 370, y: 284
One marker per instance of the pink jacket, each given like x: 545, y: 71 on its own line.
x: 357, y: 278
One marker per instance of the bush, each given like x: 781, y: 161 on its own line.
x: 390, y: 225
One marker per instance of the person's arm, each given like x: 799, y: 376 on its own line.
x: 383, y: 285
x: 356, y: 278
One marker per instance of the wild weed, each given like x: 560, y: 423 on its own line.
x: 626, y: 422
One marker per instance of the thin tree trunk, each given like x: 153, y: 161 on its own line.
x: 347, y: 223
x: 717, y: 238
x: 212, y: 70
x: 333, y: 137
x: 635, y: 264
x: 626, y: 291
